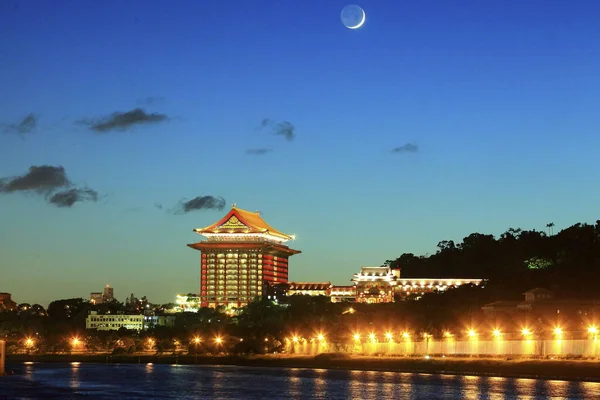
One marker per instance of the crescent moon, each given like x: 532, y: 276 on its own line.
x: 361, y: 23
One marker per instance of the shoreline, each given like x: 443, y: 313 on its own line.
x: 569, y: 370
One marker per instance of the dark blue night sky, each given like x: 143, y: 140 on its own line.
x: 434, y: 120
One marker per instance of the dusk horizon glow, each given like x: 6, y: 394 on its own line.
x: 146, y: 121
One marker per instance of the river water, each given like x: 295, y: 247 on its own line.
x: 159, y: 381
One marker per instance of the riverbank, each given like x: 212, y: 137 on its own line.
x: 582, y: 370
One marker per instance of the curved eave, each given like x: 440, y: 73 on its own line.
x: 223, y: 245
x: 254, y: 231
x: 253, y: 221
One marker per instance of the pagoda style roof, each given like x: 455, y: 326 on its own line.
x: 242, y: 221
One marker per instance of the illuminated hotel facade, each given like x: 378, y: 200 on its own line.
x: 240, y: 256
x: 383, y: 284
x: 375, y: 284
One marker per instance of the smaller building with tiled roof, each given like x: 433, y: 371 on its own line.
x: 309, y: 288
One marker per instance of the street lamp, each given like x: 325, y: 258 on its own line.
x: 196, y: 341
x: 558, y: 332
x: 29, y: 342
x: 75, y: 343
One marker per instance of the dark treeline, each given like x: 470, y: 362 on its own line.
x: 567, y: 262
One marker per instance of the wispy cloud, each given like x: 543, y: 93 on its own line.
x: 40, y: 179
x: 122, y: 121
x: 258, y: 152
x: 284, y: 128
x: 24, y: 126
x: 51, y: 182
x: 67, y: 198
x: 407, y: 148
x: 200, y: 203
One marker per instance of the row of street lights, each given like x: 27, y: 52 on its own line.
x: 357, y: 337
x: 471, y: 334
x: 30, y: 342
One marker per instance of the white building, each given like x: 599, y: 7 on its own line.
x: 187, y: 302
x: 151, y: 321
x: 420, y: 286
x: 113, y: 322
x: 340, y: 294
x: 380, y: 284
x: 375, y: 284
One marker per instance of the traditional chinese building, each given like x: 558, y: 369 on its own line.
x: 309, y: 288
x: 340, y: 294
x: 240, y: 257
x: 383, y: 284
x: 375, y: 284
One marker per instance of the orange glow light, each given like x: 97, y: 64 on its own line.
x: 558, y: 332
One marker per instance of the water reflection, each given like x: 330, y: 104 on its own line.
x: 74, y: 382
x: 501, y: 385
x: 471, y: 387
x: 295, y: 384
x: 525, y: 387
x: 319, y: 388
x: 558, y: 389
x: 158, y: 381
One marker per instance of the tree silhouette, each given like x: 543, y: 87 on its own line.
x: 567, y: 262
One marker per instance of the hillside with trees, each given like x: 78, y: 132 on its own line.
x: 567, y: 262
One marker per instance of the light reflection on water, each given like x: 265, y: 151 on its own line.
x: 99, y: 381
